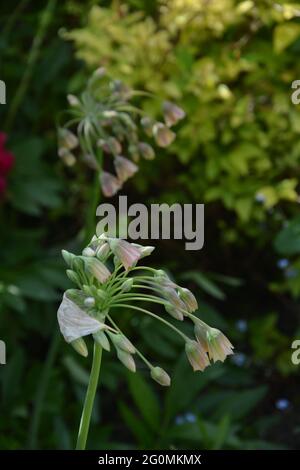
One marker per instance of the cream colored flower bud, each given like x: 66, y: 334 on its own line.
x: 88, y: 251
x: 196, y: 355
x: 160, y: 375
x: 189, y: 299
x: 73, y: 100
x: 120, y: 341
x: 80, y: 347
x: 101, y: 338
x: 89, y: 302
x: 127, y: 285
x: 126, y: 359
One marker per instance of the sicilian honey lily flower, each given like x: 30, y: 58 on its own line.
x: 172, y: 113
x: 103, y: 124
x: 101, y: 289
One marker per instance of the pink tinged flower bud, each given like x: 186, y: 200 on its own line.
x: 75, y: 322
x: 196, y: 355
x: 200, y: 333
x: 144, y: 250
x: 101, y: 338
x: 110, y: 185
x: 171, y: 295
x: 174, y: 312
x: 124, y: 168
x: 189, y: 299
x: 80, y: 347
x: 160, y: 375
x: 97, y: 269
x: 112, y: 145
x: 172, y: 113
x: 219, y: 347
x: 163, y: 135
x: 126, y: 253
x: 146, y: 151
x: 147, y: 124
x: 126, y: 359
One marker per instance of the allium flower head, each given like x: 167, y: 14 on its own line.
x: 104, y: 124
x: 118, y: 281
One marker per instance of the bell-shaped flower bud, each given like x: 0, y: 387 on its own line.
x: 67, y: 157
x: 147, y: 124
x: 127, y: 285
x: 160, y: 375
x: 196, y: 355
x: 67, y: 139
x: 111, y: 145
x: 144, y: 250
x: 172, y: 113
x: 124, y: 168
x: 163, y: 279
x: 174, y: 312
x: 121, y: 342
x: 80, y: 347
x: 189, y: 299
x: 219, y: 346
x: 146, y: 151
x: 101, y: 338
x: 171, y: 295
x: 97, y: 269
x: 126, y: 359
x: 110, y: 185
x: 125, y: 252
x: 163, y: 135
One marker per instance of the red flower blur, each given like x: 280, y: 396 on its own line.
x: 7, y: 160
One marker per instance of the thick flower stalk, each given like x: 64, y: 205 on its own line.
x: 104, y: 129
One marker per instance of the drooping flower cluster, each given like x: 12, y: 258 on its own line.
x: 107, y: 277
x: 104, y: 123
x: 6, y: 163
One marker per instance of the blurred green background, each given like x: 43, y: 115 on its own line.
x: 230, y: 65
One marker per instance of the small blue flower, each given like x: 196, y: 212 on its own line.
x: 239, y: 359
x: 282, y: 404
x: 242, y: 325
x: 190, y: 418
x: 282, y: 263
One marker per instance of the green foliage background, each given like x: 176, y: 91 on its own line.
x: 230, y: 65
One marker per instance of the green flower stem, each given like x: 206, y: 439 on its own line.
x: 89, y: 398
x: 138, y: 296
x: 154, y: 316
